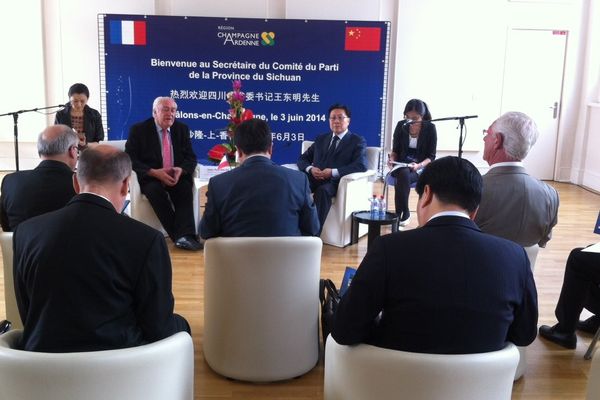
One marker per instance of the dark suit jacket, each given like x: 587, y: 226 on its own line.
x: 144, y: 148
x: 350, y: 155
x: 88, y: 278
x: 92, y: 122
x: 445, y: 288
x: 259, y: 198
x: 426, y: 145
x: 26, y: 194
x: 517, y: 206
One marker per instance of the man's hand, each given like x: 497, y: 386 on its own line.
x: 168, y: 177
x: 321, y: 174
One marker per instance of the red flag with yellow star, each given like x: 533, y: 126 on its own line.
x: 362, y: 39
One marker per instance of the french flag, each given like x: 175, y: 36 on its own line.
x: 128, y: 32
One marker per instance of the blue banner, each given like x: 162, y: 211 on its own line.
x: 291, y: 72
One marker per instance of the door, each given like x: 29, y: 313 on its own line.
x: 533, y: 77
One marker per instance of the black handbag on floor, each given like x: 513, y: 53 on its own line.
x: 329, y: 298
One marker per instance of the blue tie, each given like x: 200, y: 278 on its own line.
x: 331, y: 150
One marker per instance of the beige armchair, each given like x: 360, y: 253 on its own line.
x: 159, y: 370
x: 261, y: 306
x: 369, y: 372
x: 10, y: 299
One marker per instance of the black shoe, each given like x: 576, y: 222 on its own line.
x: 188, y: 243
x: 568, y: 340
x: 590, y: 325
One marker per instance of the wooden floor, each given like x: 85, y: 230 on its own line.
x: 553, y: 372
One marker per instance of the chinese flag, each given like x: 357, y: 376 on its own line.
x: 362, y: 39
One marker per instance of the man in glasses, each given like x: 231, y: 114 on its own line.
x: 331, y: 156
x: 515, y: 205
x: 49, y: 186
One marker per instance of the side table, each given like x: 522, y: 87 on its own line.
x: 373, y: 223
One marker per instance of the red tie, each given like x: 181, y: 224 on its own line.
x: 166, y: 150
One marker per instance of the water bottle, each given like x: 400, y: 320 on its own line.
x: 374, y: 207
x: 382, y: 207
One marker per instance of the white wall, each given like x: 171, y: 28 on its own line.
x: 451, y: 54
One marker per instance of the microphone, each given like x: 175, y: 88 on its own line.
x: 408, y: 122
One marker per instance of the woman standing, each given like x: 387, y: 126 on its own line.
x: 415, y: 142
x: 81, y: 117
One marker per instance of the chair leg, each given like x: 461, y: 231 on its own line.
x: 590, y: 350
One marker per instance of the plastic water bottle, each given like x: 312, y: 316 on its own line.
x: 374, y: 207
x: 382, y: 207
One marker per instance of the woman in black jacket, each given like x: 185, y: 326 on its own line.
x: 81, y: 117
x: 415, y: 142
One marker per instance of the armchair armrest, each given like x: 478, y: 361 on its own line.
x: 358, y: 175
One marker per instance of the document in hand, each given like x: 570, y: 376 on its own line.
x: 348, y: 275
x: 595, y: 248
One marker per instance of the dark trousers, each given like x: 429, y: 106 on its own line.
x: 173, y: 205
x: 323, y: 193
x: 404, y: 177
x: 579, y: 289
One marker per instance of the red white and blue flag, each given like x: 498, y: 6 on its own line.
x: 128, y: 32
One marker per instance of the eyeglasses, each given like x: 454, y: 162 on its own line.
x: 338, y: 118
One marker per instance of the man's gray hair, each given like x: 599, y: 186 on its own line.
x: 519, y: 133
x: 159, y: 100
x: 59, y: 144
x: 100, y: 167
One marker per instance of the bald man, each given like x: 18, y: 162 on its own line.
x: 48, y: 187
x: 88, y: 278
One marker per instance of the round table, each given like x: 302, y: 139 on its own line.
x: 374, y: 223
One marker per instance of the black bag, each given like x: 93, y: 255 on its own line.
x: 329, y: 298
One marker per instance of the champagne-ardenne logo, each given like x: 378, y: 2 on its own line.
x: 239, y: 38
x: 268, y: 38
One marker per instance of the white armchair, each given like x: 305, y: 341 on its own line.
x: 159, y: 370
x: 261, y: 306
x: 142, y: 210
x: 532, y: 253
x: 10, y: 299
x: 354, y: 192
x: 369, y: 372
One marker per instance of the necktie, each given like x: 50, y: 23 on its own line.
x: 166, y: 150
x: 332, y: 146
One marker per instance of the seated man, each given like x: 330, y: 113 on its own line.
x: 259, y: 198
x: 445, y: 287
x: 333, y: 155
x: 164, y: 161
x: 88, y: 278
x: 514, y: 205
x: 579, y: 290
x: 48, y: 187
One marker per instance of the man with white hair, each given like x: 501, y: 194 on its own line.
x: 514, y: 205
x: 164, y: 161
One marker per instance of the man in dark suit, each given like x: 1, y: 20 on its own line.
x: 514, y: 205
x: 259, y: 198
x: 48, y: 187
x: 88, y: 278
x: 445, y: 287
x: 579, y: 290
x: 333, y: 155
x: 164, y: 161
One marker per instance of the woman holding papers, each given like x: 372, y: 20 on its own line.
x: 414, y: 146
x: 86, y: 121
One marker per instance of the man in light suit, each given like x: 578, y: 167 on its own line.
x: 88, y: 278
x: 445, y: 287
x: 333, y: 155
x: 48, y: 187
x: 164, y: 161
x: 259, y: 198
x: 514, y: 205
